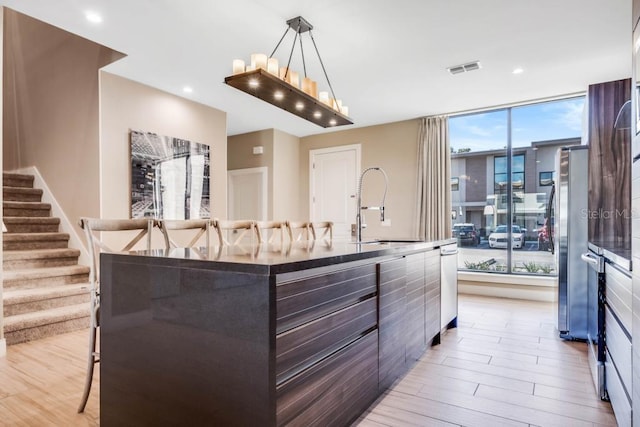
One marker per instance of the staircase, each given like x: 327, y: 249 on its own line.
x: 45, y: 291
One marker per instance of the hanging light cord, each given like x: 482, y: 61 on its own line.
x: 304, y: 65
x: 322, y: 64
x: 278, y: 45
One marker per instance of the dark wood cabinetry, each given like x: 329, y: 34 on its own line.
x: 416, y: 337
x: 392, y: 320
x: 213, y: 343
x: 327, y: 340
x: 409, y: 318
x: 609, y: 199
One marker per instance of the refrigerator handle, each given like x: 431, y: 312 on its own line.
x: 447, y: 252
x: 549, y: 208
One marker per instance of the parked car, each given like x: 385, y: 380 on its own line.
x: 498, y: 239
x: 544, y: 243
x: 466, y: 234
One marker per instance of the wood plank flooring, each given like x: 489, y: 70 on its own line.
x: 503, y: 365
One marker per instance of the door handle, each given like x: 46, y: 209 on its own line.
x: 590, y: 259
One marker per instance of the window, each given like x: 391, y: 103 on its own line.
x: 455, y: 183
x: 500, y: 172
x: 495, y: 153
x: 545, y: 179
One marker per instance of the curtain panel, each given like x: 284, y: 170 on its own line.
x: 434, y: 179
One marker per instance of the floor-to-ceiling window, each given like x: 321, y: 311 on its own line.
x: 502, y: 172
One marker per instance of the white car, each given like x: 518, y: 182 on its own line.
x: 498, y: 239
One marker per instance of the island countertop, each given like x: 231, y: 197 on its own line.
x: 290, y: 256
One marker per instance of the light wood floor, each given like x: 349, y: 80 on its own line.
x: 503, y: 365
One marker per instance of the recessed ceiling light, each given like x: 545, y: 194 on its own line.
x: 518, y: 70
x: 187, y: 89
x: 299, y: 106
x: 93, y: 17
x: 278, y: 95
x: 254, y: 83
x: 332, y: 122
x: 317, y: 114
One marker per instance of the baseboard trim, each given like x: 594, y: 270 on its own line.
x: 533, y: 288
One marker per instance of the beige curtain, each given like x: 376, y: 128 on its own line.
x: 434, y: 179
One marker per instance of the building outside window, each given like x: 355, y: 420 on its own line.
x: 455, y: 183
x: 504, y: 182
x: 545, y: 179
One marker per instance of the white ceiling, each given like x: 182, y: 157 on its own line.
x: 386, y: 59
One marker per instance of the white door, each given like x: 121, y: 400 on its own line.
x: 333, y: 186
x: 247, y: 194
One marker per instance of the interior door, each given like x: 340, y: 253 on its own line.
x: 247, y: 194
x: 333, y: 186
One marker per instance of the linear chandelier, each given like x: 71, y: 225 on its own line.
x: 282, y: 87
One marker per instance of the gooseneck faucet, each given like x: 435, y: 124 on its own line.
x: 362, y: 208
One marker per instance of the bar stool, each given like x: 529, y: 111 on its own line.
x: 202, y: 225
x: 95, y: 245
x: 241, y: 228
x: 263, y: 228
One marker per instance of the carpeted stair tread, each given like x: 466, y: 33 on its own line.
x: 24, y: 241
x: 26, y: 205
x: 41, y: 273
x: 31, y: 237
x: 39, y: 258
x: 21, y: 301
x: 40, y: 254
x: 25, y: 224
x: 21, y: 194
x: 39, y: 318
x: 26, y: 209
x: 17, y: 180
x: 31, y: 220
x: 18, y: 296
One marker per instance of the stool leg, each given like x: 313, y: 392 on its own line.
x: 90, y: 364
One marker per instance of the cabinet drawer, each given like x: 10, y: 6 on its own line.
x: 618, y: 348
x: 618, y: 294
x: 299, y: 348
x: 617, y: 395
x: 334, y: 391
x: 303, y: 300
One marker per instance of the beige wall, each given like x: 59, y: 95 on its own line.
x: 50, y: 114
x: 286, y: 170
x: 127, y: 105
x: 281, y: 157
x: 393, y: 147
x: 240, y: 156
x: 52, y: 80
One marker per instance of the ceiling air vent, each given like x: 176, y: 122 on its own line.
x: 457, y: 69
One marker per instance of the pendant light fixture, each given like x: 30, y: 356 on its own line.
x: 285, y: 88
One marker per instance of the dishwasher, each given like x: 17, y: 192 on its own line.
x: 448, y: 286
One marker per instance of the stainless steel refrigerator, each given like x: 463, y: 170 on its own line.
x: 570, y: 241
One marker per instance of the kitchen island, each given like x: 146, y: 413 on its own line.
x: 304, y: 334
